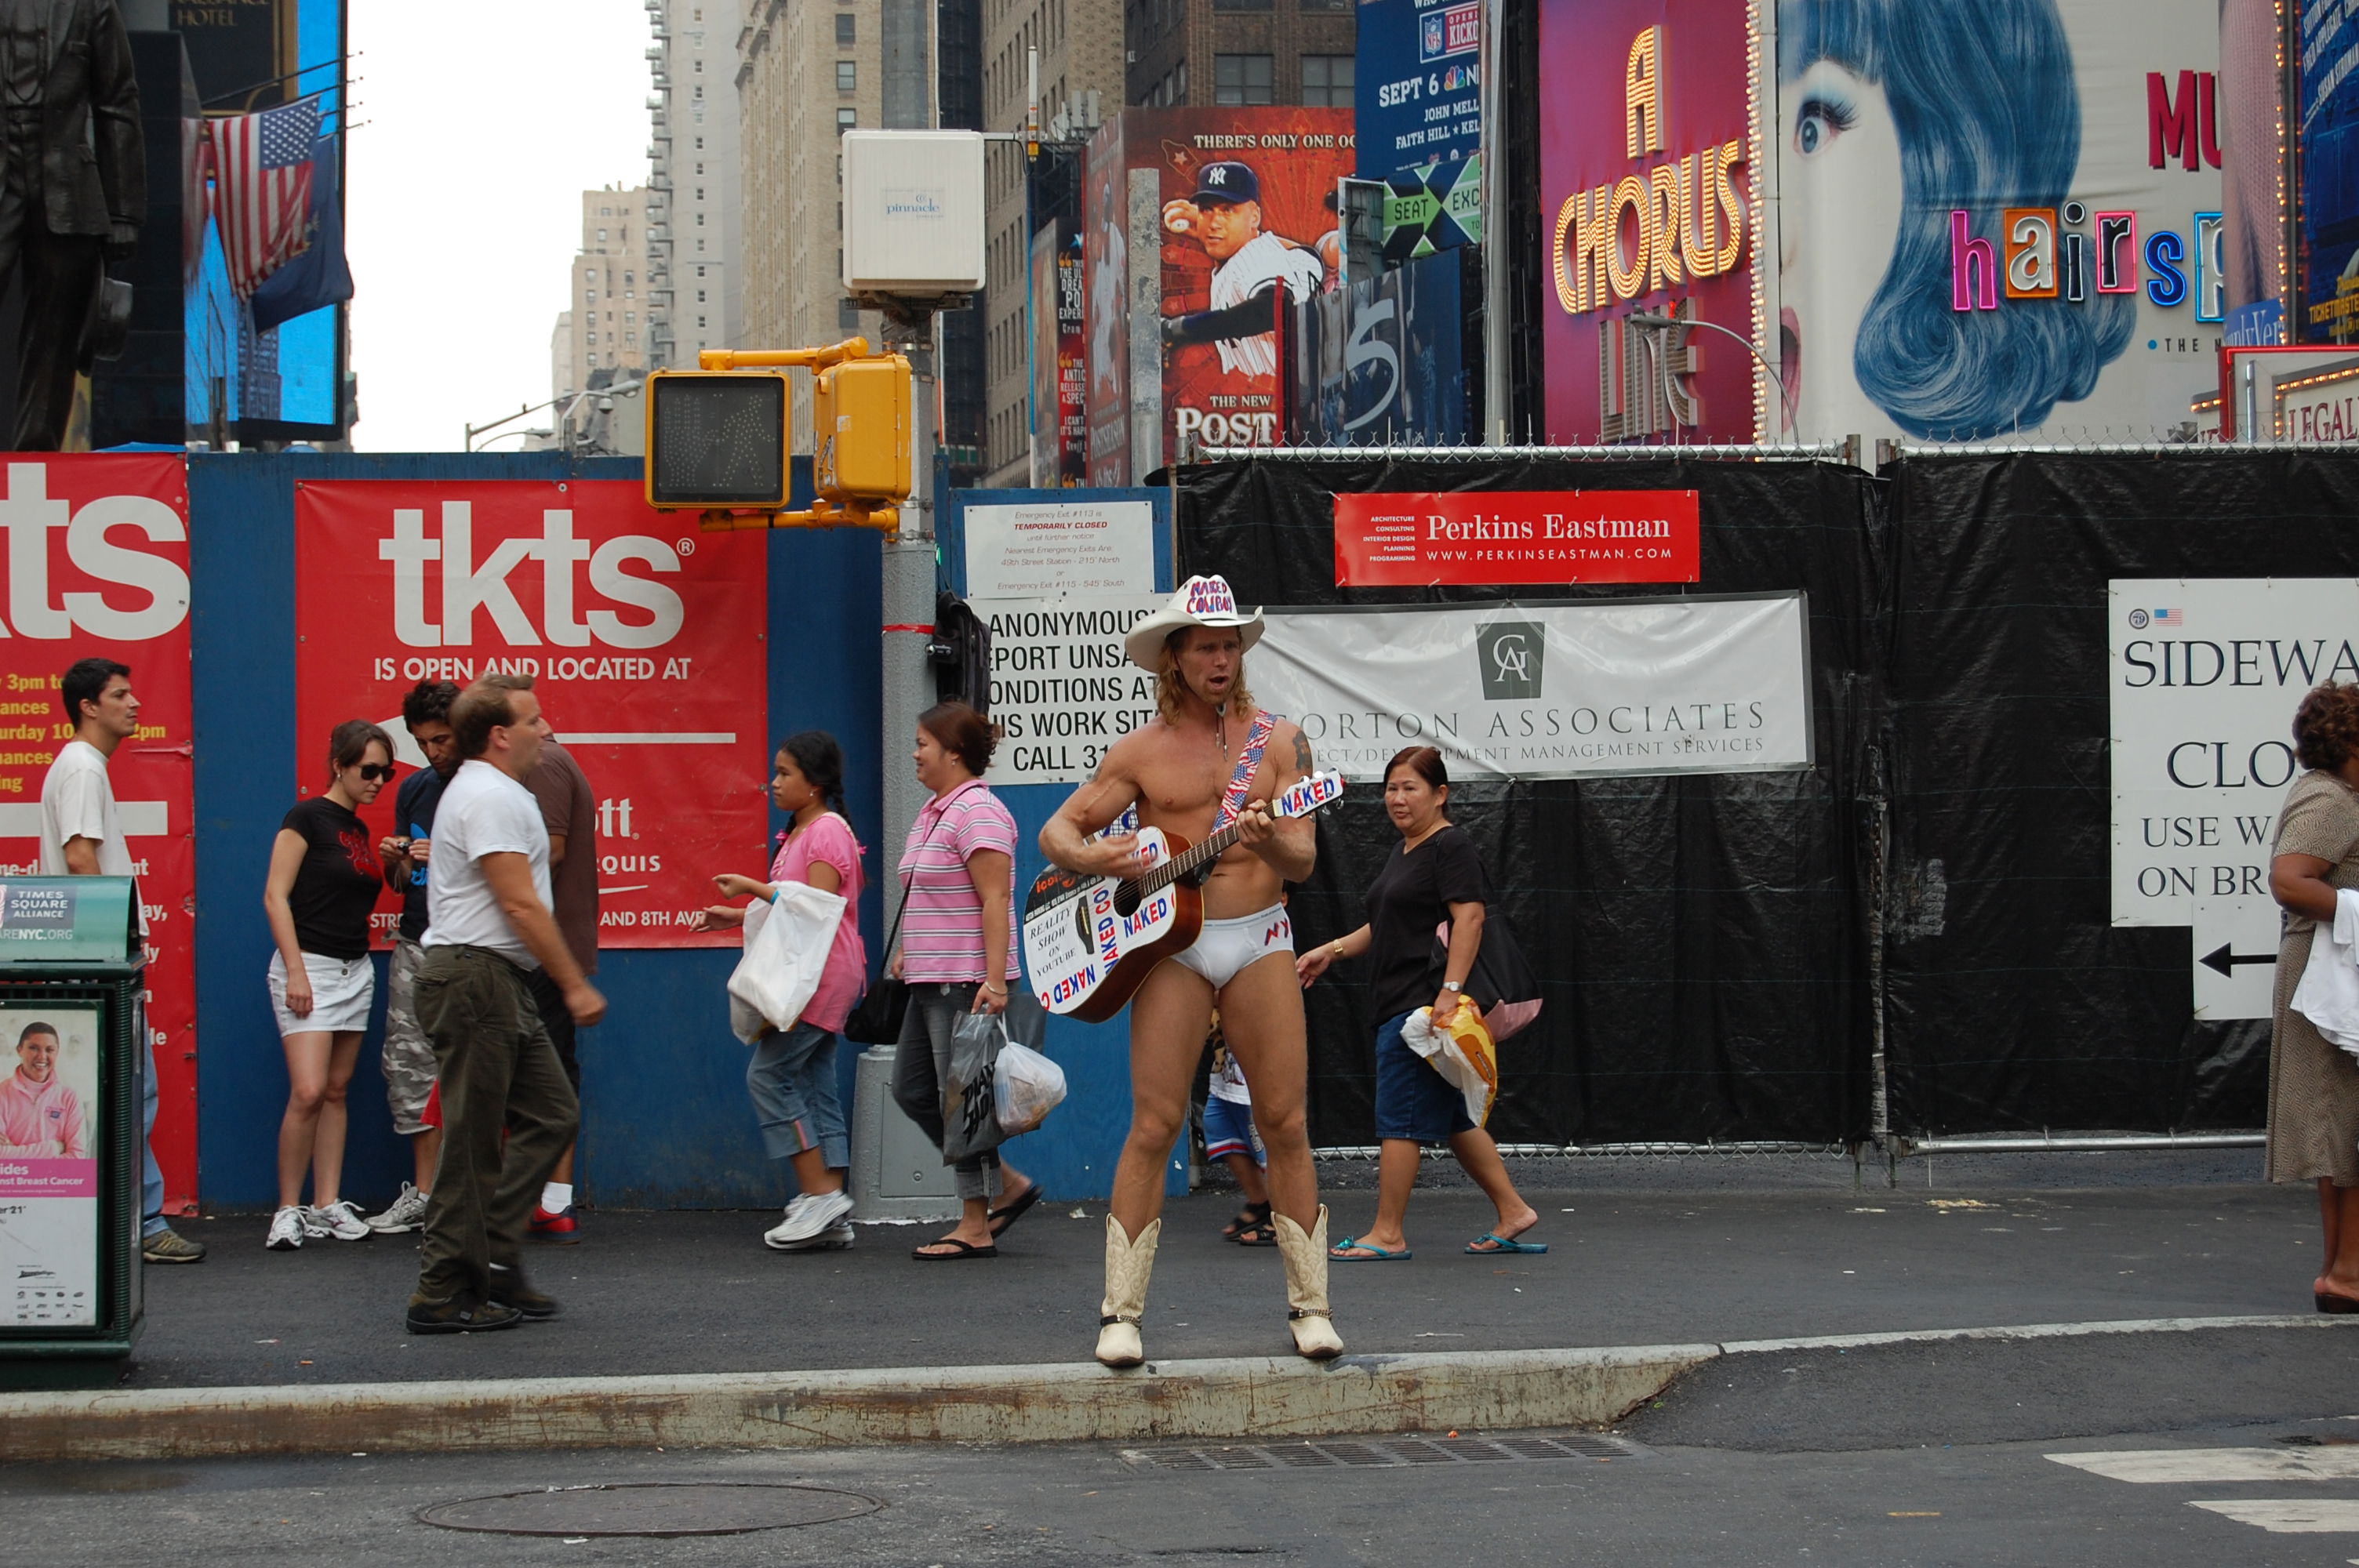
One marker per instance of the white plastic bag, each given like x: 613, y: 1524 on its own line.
x: 1463, y: 1054
x: 1029, y: 1086
x: 785, y: 953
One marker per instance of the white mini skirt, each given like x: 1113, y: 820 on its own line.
x: 342, y: 989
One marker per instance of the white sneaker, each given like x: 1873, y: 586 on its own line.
x: 407, y: 1213
x: 837, y: 1238
x: 338, y: 1220
x: 286, y: 1230
x: 807, y: 1217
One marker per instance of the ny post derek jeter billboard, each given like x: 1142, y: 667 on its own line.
x: 644, y: 638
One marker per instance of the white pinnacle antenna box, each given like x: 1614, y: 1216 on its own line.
x: 913, y: 213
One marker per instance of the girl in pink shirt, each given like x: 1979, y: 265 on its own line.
x: 792, y: 1074
x: 40, y: 1117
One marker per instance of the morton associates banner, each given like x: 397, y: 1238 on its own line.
x: 645, y: 640
x: 97, y: 567
x: 1416, y: 538
x: 1548, y: 691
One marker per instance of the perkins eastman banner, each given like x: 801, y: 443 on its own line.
x: 1415, y: 539
x: 1949, y: 220
x: 1548, y: 691
x: 97, y: 567
x: 645, y: 640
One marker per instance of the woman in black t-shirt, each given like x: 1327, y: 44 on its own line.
x: 325, y: 879
x: 1436, y: 876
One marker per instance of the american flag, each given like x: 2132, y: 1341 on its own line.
x: 263, y: 173
x: 2170, y: 618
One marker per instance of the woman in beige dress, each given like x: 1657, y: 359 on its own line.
x: 2314, y: 1085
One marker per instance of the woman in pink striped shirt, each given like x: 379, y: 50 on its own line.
x: 958, y: 954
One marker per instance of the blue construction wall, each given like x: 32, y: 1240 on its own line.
x: 666, y: 1119
x: 1073, y: 1153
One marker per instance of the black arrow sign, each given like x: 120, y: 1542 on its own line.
x: 2225, y: 962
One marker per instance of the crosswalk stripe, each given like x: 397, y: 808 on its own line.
x: 2185, y: 1467
x: 2292, y: 1516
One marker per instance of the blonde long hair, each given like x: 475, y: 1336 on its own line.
x: 1171, y: 692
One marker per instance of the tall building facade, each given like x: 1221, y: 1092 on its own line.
x: 609, y: 325
x: 806, y: 72
x: 694, y: 180
x: 1190, y: 53
x: 1081, y: 44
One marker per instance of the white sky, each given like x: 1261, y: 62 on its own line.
x: 478, y: 126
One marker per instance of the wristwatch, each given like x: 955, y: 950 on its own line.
x: 1451, y: 986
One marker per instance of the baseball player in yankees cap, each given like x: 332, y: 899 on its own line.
x: 1224, y: 215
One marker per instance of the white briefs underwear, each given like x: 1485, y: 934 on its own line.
x: 1224, y: 947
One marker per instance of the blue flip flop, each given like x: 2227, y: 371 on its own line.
x: 1501, y: 1245
x: 1377, y: 1254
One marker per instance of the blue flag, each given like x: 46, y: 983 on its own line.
x: 319, y: 277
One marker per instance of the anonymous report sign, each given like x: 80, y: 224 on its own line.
x: 1414, y: 538
x: 645, y: 640
x: 1687, y: 685
x: 1062, y: 691
x: 2206, y: 674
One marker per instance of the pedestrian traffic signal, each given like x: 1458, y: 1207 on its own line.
x: 717, y: 439
x: 861, y: 413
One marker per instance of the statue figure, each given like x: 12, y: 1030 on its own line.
x: 73, y: 192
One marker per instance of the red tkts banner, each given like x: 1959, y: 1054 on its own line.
x: 97, y: 567
x: 645, y: 640
x: 1416, y: 539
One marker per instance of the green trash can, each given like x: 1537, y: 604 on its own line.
x: 72, y: 976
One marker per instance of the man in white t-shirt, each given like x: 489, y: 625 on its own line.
x: 82, y: 836
x: 488, y: 924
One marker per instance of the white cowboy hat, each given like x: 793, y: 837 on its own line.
x: 1200, y: 602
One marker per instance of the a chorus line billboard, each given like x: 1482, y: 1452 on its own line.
x: 1952, y: 220
x: 1199, y: 224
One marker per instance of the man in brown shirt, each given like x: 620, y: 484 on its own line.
x: 570, y: 810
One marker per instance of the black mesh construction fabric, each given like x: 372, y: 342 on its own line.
x: 2014, y: 1003
x: 1701, y: 940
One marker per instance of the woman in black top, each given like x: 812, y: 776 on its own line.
x: 1436, y: 876
x: 324, y: 882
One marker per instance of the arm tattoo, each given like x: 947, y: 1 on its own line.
x: 1303, y: 754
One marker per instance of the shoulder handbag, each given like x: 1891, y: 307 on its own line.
x: 877, y: 1020
x: 1503, y: 984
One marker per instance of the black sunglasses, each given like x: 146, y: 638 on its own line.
x: 377, y: 772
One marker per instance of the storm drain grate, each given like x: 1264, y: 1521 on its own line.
x: 1386, y: 1452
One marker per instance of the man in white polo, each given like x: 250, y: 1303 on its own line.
x: 487, y: 926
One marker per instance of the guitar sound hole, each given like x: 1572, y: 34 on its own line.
x: 1125, y: 900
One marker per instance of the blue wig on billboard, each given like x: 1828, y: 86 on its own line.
x: 1988, y: 117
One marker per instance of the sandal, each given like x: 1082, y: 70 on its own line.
x: 1262, y: 1235
x: 1001, y: 1219
x: 1254, y: 1216
x: 965, y: 1249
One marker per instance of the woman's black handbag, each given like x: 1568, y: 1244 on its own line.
x: 877, y: 1020
x: 1503, y: 983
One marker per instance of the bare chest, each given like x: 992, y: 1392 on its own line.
x: 1184, y: 777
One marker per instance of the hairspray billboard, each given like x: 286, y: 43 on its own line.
x: 1946, y: 219
x: 2328, y: 37
x: 1201, y: 225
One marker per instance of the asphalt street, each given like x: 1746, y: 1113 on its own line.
x: 697, y: 1293
x: 1914, y: 1456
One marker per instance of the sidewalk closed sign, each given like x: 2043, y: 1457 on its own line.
x: 1416, y: 538
x: 1548, y: 691
x: 2206, y: 674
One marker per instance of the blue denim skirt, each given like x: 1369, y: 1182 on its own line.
x: 1413, y: 1102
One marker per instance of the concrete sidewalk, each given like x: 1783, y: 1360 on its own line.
x: 692, y: 1292
x: 683, y: 1325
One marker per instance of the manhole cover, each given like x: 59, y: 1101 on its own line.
x: 689, y: 1508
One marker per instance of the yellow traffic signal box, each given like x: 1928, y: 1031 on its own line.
x: 860, y: 417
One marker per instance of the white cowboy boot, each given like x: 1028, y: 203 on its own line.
x: 1306, y: 1287
x: 1127, y: 1265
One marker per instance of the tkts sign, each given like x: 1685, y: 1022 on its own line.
x: 97, y: 566
x: 648, y: 655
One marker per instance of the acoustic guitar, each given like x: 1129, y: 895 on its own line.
x: 1090, y: 942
